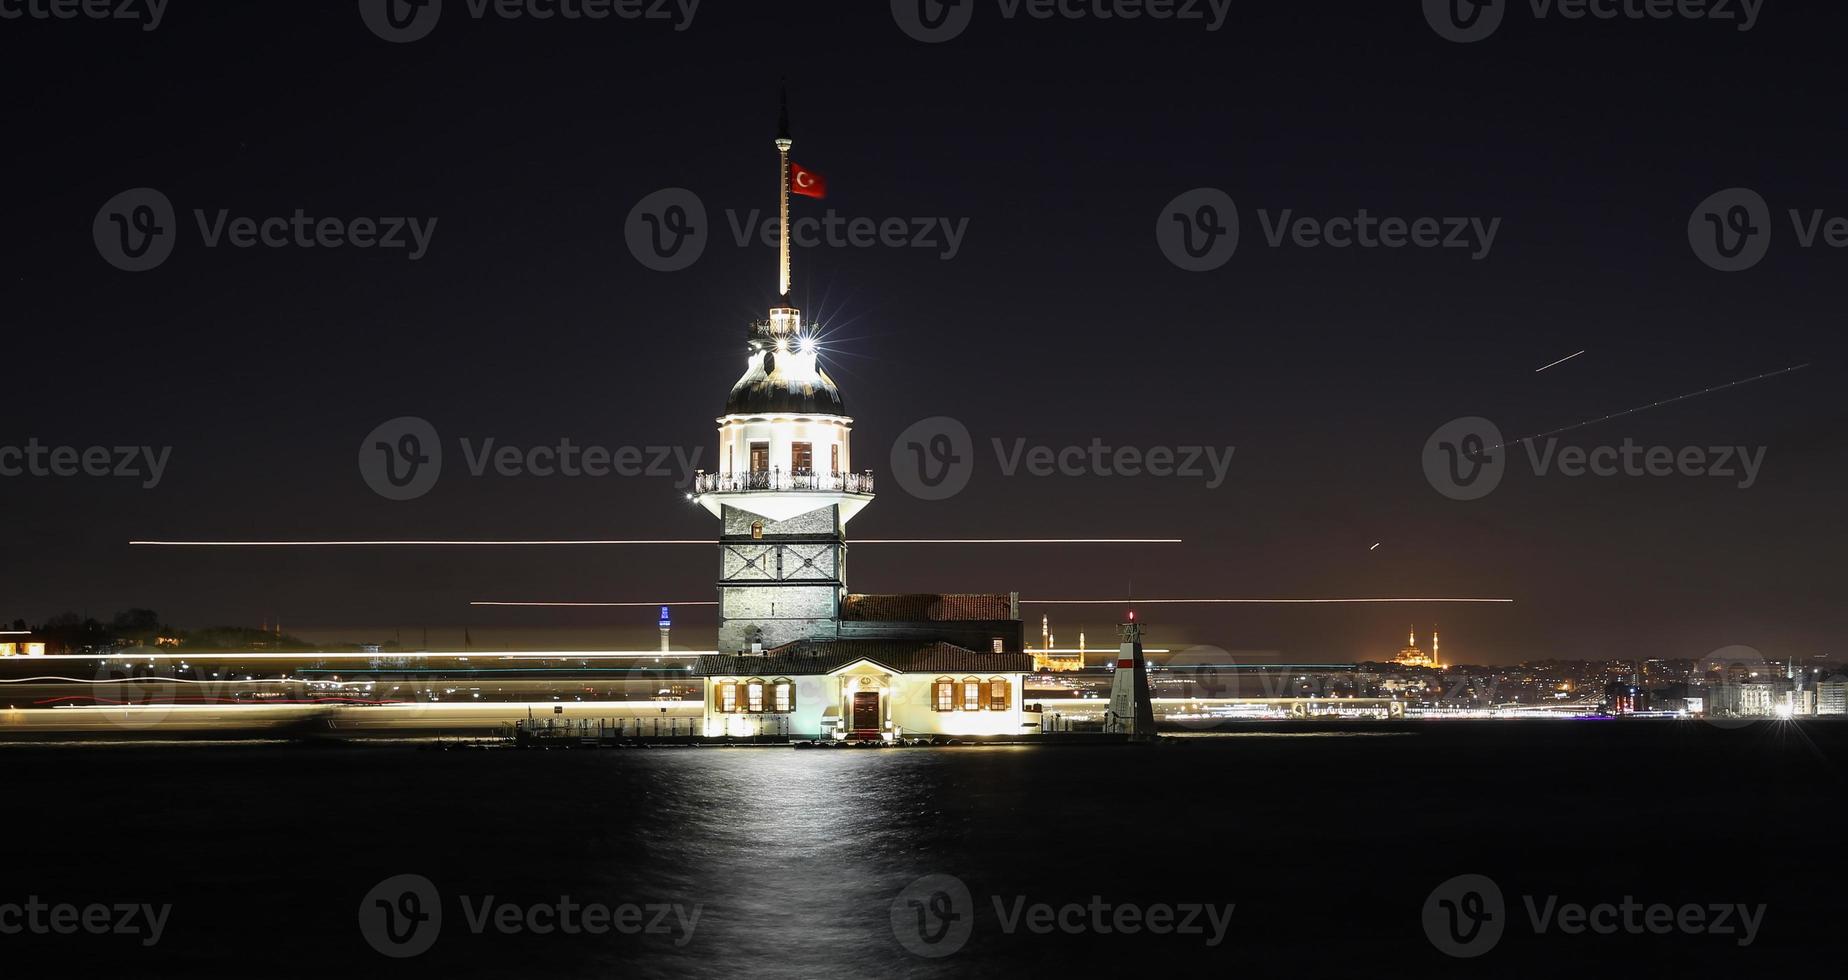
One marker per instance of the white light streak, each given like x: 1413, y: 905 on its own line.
x: 597, y: 605
x: 1562, y: 360
x: 390, y: 655
x: 1147, y: 602
x: 1043, y: 602
x: 551, y: 542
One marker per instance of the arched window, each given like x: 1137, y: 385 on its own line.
x: 945, y: 699
x: 728, y: 695
x: 757, y: 529
x: 785, y: 695
x: 972, y: 694
x: 754, y: 694
x: 997, y: 694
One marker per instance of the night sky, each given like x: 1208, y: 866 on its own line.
x: 1058, y: 321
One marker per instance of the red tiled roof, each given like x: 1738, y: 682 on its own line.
x: 927, y: 607
x: 826, y: 656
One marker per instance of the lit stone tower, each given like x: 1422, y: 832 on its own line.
x: 785, y: 489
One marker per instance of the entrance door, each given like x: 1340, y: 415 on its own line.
x: 866, y: 711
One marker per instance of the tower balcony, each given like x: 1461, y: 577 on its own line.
x: 780, y: 495
x: 779, y: 481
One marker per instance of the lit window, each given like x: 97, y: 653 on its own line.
x: 785, y: 696
x: 754, y: 696
x: 946, y: 694
x: 728, y: 697
x: 997, y: 694
x: 801, y: 458
x: 834, y: 458
x: 972, y: 695
x: 999, y: 646
x: 757, y: 529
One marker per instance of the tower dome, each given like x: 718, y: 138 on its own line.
x: 784, y: 374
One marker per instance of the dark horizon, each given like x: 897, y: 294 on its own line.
x: 1058, y: 322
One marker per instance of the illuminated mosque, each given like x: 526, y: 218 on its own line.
x: 1413, y: 656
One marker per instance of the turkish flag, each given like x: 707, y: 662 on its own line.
x: 806, y: 182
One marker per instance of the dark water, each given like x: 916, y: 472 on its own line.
x: 1326, y: 844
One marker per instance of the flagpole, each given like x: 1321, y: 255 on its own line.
x: 783, y: 143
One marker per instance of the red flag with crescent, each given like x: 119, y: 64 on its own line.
x: 806, y: 182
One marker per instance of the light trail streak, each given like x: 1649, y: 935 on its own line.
x: 1148, y: 602
x: 592, y: 542
x: 142, y: 680
x: 597, y: 605
x: 410, y: 655
x: 1042, y: 602
x: 1657, y: 404
x: 1557, y: 363
x: 91, y: 701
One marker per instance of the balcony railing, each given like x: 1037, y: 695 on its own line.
x: 778, y: 480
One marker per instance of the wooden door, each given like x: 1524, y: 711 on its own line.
x: 866, y: 711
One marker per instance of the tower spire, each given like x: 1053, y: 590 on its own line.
x: 783, y: 143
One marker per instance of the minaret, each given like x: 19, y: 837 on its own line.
x: 1434, y: 661
x: 784, y: 489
